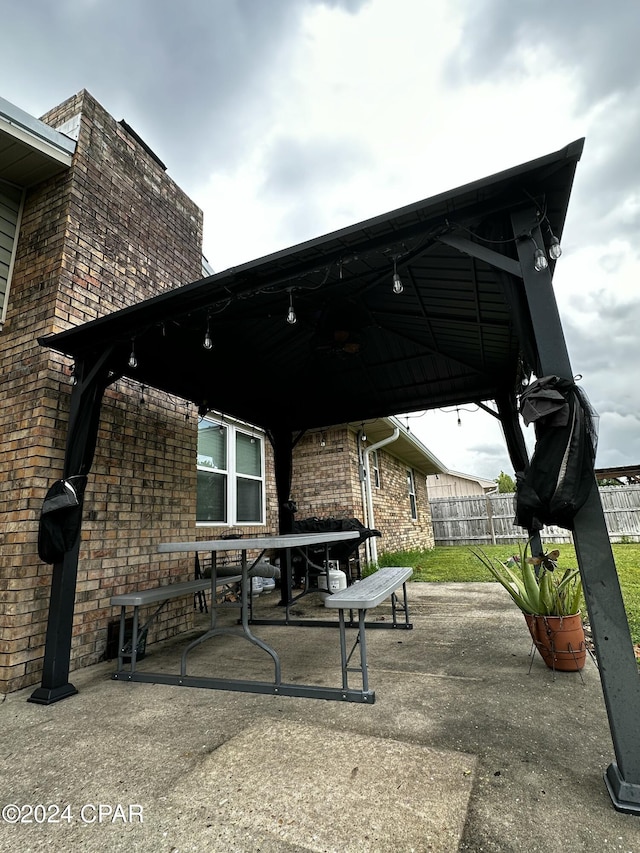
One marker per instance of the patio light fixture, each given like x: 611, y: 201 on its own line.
x: 291, y: 314
x: 540, y: 261
x: 555, y: 249
x: 208, y: 342
x: 397, y: 281
x: 133, y: 360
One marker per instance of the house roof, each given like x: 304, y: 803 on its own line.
x: 406, y: 447
x: 30, y: 150
x: 472, y: 478
x: 460, y: 331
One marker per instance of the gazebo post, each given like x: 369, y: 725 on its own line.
x: 508, y: 414
x: 84, y: 415
x: 617, y: 664
x: 282, y: 442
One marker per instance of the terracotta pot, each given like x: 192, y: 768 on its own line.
x: 560, y: 640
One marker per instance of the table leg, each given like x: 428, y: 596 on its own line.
x: 123, y: 611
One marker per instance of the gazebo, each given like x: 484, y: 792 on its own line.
x: 443, y: 302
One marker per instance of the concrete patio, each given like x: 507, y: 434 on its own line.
x: 466, y: 748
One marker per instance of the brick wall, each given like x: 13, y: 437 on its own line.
x: 326, y: 482
x: 325, y: 478
x: 111, y: 231
x: 392, y: 510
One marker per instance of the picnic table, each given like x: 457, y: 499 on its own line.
x: 384, y: 587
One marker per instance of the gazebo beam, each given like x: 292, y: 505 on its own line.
x: 616, y: 660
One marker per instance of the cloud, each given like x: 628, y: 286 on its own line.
x: 622, y: 446
x: 604, y: 349
x: 298, y: 166
x: 595, y: 46
x: 596, y: 41
x: 194, y: 79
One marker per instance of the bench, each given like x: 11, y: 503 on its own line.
x: 362, y: 596
x: 157, y: 595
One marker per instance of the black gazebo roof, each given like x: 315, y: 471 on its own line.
x: 459, y: 331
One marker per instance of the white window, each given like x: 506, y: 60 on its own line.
x: 230, y: 474
x: 11, y: 199
x: 411, y: 488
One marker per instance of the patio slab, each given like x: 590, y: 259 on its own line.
x: 469, y: 746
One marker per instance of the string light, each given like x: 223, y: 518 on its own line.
x: 555, y: 249
x: 133, y: 361
x: 397, y: 281
x: 207, y: 342
x: 291, y: 314
x: 540, y: 261
x: 322, y: 440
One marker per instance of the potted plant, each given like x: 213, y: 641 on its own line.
x: 550, y: 601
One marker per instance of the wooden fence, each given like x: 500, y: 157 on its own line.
x: 488, y: 519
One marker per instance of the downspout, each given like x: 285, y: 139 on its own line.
x: 371, y: 545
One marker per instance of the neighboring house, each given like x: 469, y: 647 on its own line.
x: 375, y: 471
x: 451, y: 484
x: 90, y: 222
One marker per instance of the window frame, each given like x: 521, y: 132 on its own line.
x: 374, y: 467
x: 411, y: 490
x: 232, y: 430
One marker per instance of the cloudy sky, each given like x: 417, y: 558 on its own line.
x: 287, y: 119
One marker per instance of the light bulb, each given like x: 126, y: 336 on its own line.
x: 207, y: 342
x: 397, y: 283
x: 540, y: 260
x: 555, y: 249
x: 133, y: 361
x: 291, y: 314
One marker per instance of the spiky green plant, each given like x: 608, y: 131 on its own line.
x: 548, y: 592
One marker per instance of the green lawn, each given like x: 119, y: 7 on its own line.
x: 458, y: 564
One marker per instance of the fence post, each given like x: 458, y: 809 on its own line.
x: 492, y: 530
